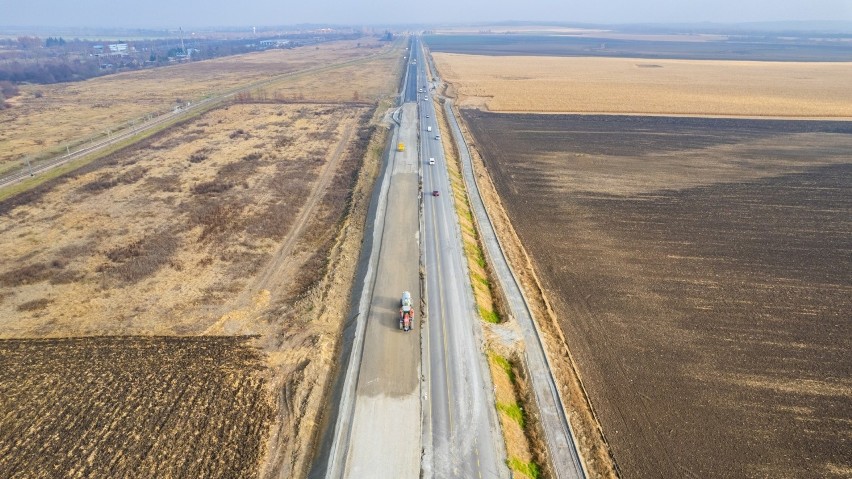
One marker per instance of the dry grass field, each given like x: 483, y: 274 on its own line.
x: 699, y: 269
x: 44, y: 117
x: 369, y: 80
x: 642, y: 86
x: 170, y: 229
x: 223, y: 225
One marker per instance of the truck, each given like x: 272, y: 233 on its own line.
x: 406, y: 312
x: 428, y: 128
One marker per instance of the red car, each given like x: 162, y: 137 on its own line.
x: 436, y: 193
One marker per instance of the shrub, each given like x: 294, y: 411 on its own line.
x: 35, y: 304
x: 29, y: 274
x: 212, y: 187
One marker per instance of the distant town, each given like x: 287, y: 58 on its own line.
x: 34, y: 59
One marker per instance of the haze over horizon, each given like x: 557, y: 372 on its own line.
x: 223, y: 13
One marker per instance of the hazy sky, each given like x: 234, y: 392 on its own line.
x: 199, y: 13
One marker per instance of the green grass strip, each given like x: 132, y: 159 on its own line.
x: 529, y: 469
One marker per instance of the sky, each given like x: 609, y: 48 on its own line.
x: 213, y: 13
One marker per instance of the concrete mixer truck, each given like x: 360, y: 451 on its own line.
x: 406, y: 312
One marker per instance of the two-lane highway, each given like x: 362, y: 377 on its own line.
x: 465, y: 439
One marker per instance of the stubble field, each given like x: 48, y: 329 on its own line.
x: 46, y: 117
x: 643, y: 86
x: 700, y: 271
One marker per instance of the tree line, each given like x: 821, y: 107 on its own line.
x: 30, y: 59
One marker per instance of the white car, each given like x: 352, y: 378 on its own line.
x: 431, y: 161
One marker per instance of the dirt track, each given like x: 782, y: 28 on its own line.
x: 700, y: 279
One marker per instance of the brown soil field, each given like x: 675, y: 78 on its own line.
x: 643, y: 86
x: 228, y: 224
x: 131, y: 407
x: 44, y: 117
x: 700, y: 271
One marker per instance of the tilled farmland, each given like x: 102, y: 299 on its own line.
x: 700, y: 269
x: 131, y: 407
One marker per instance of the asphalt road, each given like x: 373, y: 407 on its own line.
x: 559, y: 437
x: 463, y: 438
x: 414, y: 418
x: 385, y: 438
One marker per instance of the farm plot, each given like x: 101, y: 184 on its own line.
x: 131, y: 407
x: 642, y: 86
x: 700, y: 270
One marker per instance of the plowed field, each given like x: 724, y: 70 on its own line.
x: 702, y: 274
x: 131, y: 407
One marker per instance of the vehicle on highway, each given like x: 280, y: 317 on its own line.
x: 406, y: 312
x: 431, y: 161
x: 437, y: 137
x: 436, y: 193
x: 427, y: 116
x: 428, y: 128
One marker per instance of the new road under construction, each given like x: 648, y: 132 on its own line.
x: 420, y: 402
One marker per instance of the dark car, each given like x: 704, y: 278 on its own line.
x: 436, y: 193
